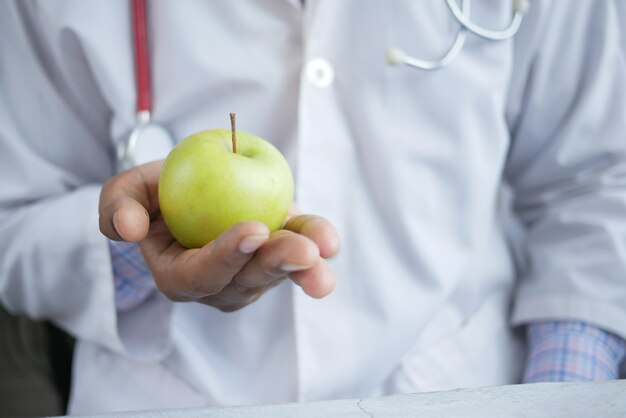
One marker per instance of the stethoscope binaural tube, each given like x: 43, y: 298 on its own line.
x: 396, y: 56
x: 520, y: 7
x: 147, y: 141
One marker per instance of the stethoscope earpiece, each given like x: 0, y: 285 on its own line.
x: 395, y: 56
x: 521, y: 5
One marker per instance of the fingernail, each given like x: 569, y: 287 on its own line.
x: 289, y: 267
x: 115, y: 222
x: 252, y: 243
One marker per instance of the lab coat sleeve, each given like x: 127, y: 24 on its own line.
x: 567, y: 164
x: 54, y: 155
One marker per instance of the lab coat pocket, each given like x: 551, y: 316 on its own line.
x: 484, y: 351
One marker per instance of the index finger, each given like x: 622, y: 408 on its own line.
x: 319, y: 230
x: 127, y: 201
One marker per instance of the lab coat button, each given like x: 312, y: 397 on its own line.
x: 319, y: 72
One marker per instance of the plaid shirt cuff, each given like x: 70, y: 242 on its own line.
x: 569, y: 351
x: 131, y: 276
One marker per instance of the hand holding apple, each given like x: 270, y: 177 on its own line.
x: 229, y: 272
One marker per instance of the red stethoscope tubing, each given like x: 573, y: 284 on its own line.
x: 147, y: 141
x: 142, y: 58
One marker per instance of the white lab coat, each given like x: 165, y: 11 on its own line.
x: 409, y: 165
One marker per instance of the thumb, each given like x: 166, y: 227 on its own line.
x: 127, y: 200
x: 130, y: 221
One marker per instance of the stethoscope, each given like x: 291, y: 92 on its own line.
x: 148, y: 141
x: 396, y: 56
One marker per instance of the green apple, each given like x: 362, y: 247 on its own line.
x: 205, y: 187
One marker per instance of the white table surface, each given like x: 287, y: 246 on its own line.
x: 606, y: 399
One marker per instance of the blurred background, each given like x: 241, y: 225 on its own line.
x: 35, y: 367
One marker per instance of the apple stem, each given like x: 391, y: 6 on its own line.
x: 232, y: 128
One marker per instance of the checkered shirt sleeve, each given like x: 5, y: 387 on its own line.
x: 131, y: 276
x: 567, y: 351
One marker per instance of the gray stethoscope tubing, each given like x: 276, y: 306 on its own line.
x: 396, y: 56
x: 519, y: 9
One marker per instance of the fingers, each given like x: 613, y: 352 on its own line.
x: 284, y: 253
x: 318, y: 230
x: 185, y: 275
x: 130, y: 221
x: 126, y: 202
x: 317, y: 281
x: 293, y: 253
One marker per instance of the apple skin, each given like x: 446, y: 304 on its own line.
x: 205, y: 188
